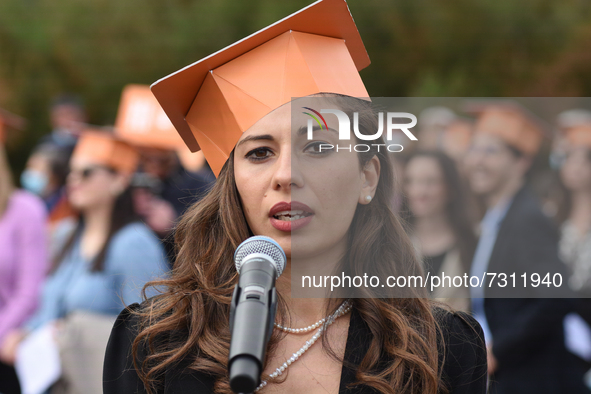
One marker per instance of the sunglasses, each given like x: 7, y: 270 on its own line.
x: 87, y: 172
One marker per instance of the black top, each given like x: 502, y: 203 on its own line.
x: 464, y: 370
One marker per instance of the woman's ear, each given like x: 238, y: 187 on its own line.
x: 370, y: 177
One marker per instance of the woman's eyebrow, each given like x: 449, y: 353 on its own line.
x: 303, y: 130
x: 266, y: 137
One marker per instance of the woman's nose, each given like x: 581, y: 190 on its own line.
x: 287, y: 172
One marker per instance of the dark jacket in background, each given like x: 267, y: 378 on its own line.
x: 528, y: 335
x: 182, y: 189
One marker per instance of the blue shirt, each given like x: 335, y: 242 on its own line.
x: 489, y: 229
x: 134, y: 256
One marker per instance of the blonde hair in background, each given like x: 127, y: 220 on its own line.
x: 6, y: 185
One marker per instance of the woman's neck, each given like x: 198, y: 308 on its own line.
x: 431, y: 224
x: 305, y: 311
x: 580, y: 215
x: 434, y: 233
x: 97, y: 223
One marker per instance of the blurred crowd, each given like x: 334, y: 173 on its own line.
x: 93, y: 219
x: 478, y: 201
x: 90, y: 225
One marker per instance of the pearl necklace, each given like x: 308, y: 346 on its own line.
x: 301, y: 330
x: 322, y: 323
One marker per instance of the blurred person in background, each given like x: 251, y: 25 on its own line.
x: 102, y: 265
x: 565, y: 121
x: 456, y: 141
x: 442, y: 230
x: 442, y: 130
x: 23, y: 264
x: 433, y: 121
x: 525, y: 336
x: 178, y: 188
x: 551, y: 189
x: 45, y: 175
x: 68, y: 119
x: 163, y: 188
x: 575, y: 240
x: 575, y: 175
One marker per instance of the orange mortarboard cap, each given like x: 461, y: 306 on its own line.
x: 213, y: 101
x: 579, y: 135
x: 104, y: 148
x: 512, y: 123
x: 142, y: 122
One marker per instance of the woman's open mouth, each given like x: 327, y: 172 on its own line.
x: 290, y: 216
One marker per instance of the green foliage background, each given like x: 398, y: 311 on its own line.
x: 418, y: 48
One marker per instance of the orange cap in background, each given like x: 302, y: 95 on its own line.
x: 142, y: 122
x: 512, y: 123
x: 213, y: 101
x: 579, y: 135
x: 104, y: 148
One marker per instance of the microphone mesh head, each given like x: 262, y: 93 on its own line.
x: 261, y: 245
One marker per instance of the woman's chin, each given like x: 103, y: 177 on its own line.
x: 77, y: 204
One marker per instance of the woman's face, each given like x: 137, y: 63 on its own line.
x: 92, y: 185
x: 295, y: 193
x: 490, y: 164
x: 425, y: 187
x: 575, y: 172
x: 159, y: 163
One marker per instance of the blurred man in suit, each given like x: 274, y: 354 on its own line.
x: 524, y: 333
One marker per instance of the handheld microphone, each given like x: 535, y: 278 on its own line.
x: 259, y: 261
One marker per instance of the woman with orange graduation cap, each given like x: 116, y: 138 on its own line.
x: 102, y: 264
x: 326, y: 209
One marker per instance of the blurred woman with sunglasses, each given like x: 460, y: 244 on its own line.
x: 23, y: 263
x: 104, y: 263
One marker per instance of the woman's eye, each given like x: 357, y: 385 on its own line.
x: 259, y: 154
x: 318, y: 147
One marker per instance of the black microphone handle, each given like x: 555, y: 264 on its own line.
x: 251, y: 323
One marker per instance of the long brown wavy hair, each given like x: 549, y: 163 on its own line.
x: 195, y: 300
x: 122, y: 214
